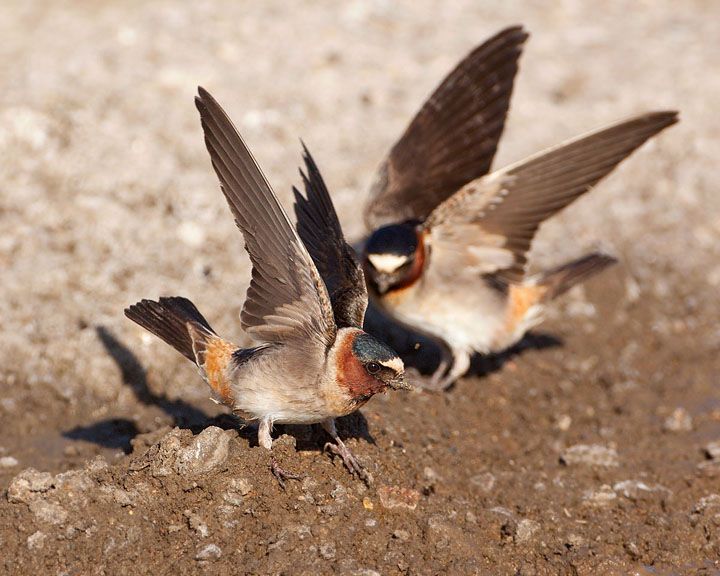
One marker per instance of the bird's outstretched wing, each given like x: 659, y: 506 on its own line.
x: 453, y: 138
x: 320, y: 231
x: 287, y: 300
x: 489, y: 224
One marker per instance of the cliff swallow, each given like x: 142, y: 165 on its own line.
x: 448, y: 249
x: 314, y: 363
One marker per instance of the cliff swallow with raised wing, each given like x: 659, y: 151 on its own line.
x: 314, y: 363
x: 448, y: 249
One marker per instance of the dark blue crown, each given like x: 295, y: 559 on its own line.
x: 398, y: 239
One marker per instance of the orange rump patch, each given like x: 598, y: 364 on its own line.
x: 218, y: 354
x: 522, y: 298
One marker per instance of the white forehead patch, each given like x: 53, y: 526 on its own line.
x: 394, y: 364
x: 387, y: 263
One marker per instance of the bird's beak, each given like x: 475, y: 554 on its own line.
x: 382, y: 282
x: 400, y: 384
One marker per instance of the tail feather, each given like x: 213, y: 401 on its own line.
x: 168, y: 319
x: 559, y: 280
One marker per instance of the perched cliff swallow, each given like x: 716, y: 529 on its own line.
x: 449, y: 242
x: 314, y: 362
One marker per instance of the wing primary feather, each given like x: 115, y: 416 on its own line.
x: 453, y: 137
x: 319, y: 228
x: 287, y: 300
x: 512, y: 203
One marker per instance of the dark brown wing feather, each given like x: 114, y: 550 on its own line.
x: 287, y: 299
x: 320, y: 231
x: 453, y: 138
x: 498, y: 215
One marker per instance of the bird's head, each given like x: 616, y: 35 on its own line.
x: 393, y: 257
x: 367, y: 367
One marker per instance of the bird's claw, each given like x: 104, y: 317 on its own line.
x: 281, y: 474
x: 350, y: 461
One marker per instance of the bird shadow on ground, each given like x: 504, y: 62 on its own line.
x: 119, y: 432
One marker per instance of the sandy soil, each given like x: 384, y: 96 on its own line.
x: 587, y: 450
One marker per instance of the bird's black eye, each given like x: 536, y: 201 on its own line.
x: 373, y: 367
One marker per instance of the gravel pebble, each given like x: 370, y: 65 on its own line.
x: 210, y: 552
x: 636, y: 490
x: 594, y: 455
x: 485, y: 481
x: 28, y: 484
x: 208, y: 450
x: 710, y: 468
x: 398, y: 497
x: 327, y: 550
x: 8, y: 462
x: 678, y: 421
x: 526, y: 530
x: 712, y: 450
x: 36, y: 540
x: 605, y: 496
x: 48, y: 512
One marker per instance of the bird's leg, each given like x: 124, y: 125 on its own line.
x: 436, y: 382
x: 343, y: 451
x: 265, y: 440
x: 458, y: 369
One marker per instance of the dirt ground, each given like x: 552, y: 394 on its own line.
x: 592, y: 448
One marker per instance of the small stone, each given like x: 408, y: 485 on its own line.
x: 36, y: 541
x: 398, y: 497
x: 118, y: 495
x: 48, y: 512
x: 635, y: 490
x: 339, y: 494
x: 402, y: 535
x: 430, y: 475
x: 563, y: 423
x: 485, y: 481
x: 8, y: 462
x: 73, y: 481
x: 28, y: 484
x: 605, y: 496
x: 211, y: 553
x: 526, y: 530
x: 367, y: 504
x: 207, y: 450
x: 575, y: 541
x: 632, y: 550
x: 327, y: 551
x: 710, y: 468
x: 707, y: 502
x: 590, y: 455
x: 196, y: 524
x: 712, y: 450
x: 678, y: 421
x: 238, y: 489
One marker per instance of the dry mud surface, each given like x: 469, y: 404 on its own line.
x: 590, y: 449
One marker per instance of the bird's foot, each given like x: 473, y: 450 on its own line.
x: 281, y: 474
x: 350, y: 461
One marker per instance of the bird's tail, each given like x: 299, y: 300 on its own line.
x: 176, y: 321
x: 559, y: 280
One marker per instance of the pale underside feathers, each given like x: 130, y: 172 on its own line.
x: 454, y: 136
x: 287, y: 300
x: 319, y: 228
x: 489, y: 224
